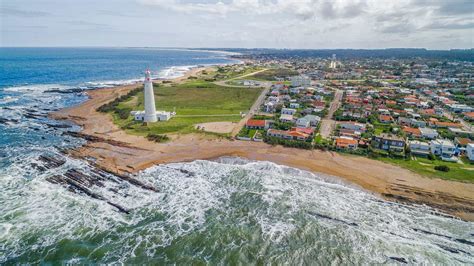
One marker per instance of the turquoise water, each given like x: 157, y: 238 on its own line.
x: 228, y: 211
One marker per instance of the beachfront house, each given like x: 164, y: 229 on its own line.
x: 256, y: 124
x: 470, y: 151
x: 388, y: 142
x: 419, y: 147
x: 346, y: 143
x: 442, y: 147
x: 288, y: 134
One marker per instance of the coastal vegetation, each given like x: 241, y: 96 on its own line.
x: 460, y: 171
x: 157, y: 137
x: 194, y: 101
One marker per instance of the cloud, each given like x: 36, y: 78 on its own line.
x: 8, y: 11
x: 450, y: 26
x: 302, y: 9
x: 448, y: 7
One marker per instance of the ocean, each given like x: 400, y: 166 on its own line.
x: 226, y: 211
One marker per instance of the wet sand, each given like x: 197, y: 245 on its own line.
x: 120, y: 152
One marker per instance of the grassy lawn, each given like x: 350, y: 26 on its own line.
x: 247, y: 133
x: 230, y: 72
x: 458, y: 172
x: 270, y: 74
x: 196, y: 98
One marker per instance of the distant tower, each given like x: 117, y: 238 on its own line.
x: 333, y: 63
x: 150, y: 111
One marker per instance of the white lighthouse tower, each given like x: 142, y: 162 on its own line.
x: 150, y: 111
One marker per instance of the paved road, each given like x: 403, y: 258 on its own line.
x: 254, y: 109
x: 327, y: 123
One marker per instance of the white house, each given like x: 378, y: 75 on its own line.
x: 160, y: 115
x: 303, y: 122
x: 428, y: 133
x: 294, y: 105
x: 353, y: 126
x: 442, y: 147
x: 470, y: 151
x: 286, y: 118
x: 460, y: 108
x: 288, y: 111
x: 419, y: 147
x: 270, y: 107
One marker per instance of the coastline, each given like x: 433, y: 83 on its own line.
x: 119, y: 152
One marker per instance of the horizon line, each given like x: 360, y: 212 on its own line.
x: 243, y: 48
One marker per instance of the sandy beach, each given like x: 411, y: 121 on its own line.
x: 117, y: 151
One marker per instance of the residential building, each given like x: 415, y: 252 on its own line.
x: 462, y: 142
x: 442, y: 147
x: 412, y: 131
x: 288, y: 111
x: 288, y: 135
x: 459, y: 132
x: 440, y: 124
x: 460, y: 108
x: 390, y: 142
x: 294, y: 105
x: 286, y: 118
x: 386, y: 119
x: 469, y: 116
x: 470, y: 151
x: 419, y: 147
x: 256, y: 124
x: 346, y: 143
x: 428, y: 133
x: 354, y: 126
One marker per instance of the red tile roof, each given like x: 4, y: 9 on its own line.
x: 344, y: 142
x: 412, y: 131
x: 469, y: 114
x: 255, y: 123
x: 308, y: 131
x: 385, y: 118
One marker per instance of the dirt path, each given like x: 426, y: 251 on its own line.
x: 328, y: 123
x: 224, y: 82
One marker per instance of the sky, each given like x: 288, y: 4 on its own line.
x: 309, y: 24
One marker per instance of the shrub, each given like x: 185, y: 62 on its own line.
x: 123, y: 113
x: 443, y: 168
x: 431, y: 157
x: 157, y: 137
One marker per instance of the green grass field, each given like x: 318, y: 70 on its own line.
x: 270, y: 74
x: 458, y: 171
x: 195, y: 101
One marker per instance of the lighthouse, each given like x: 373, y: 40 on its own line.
x: 150, y: 111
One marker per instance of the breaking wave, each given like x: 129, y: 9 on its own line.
x: 225, y: 211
